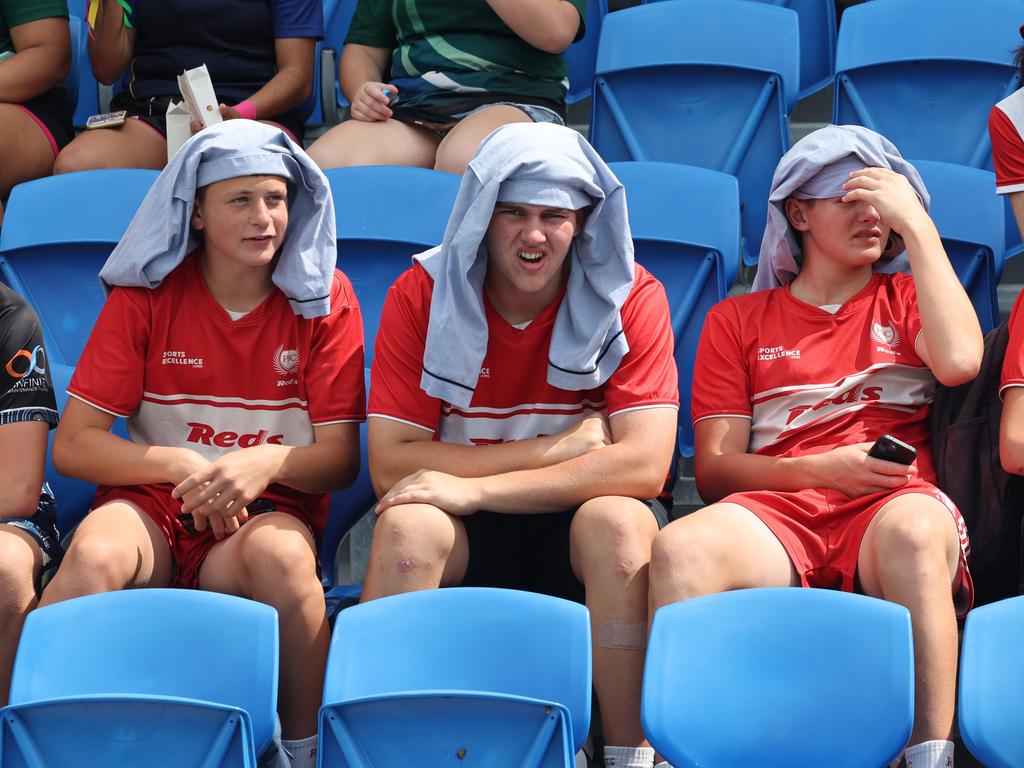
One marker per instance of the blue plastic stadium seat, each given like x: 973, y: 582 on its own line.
x: 969, y: 218
x: 582, y: 55
x: 817, y: 41
x: 337, y: 19
x: 778, y: 678
x: 77, y: 32
x: 929, y: 88
x: 700, y: 82
x: 57, y: 233
x: 992, y: 684
x: 463, y: 676
x: 692, y: 248
x: 143, y: 677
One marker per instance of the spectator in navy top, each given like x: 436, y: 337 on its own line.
x: 259, y: 54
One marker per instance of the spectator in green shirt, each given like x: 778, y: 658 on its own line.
x: 35, y: 116
x: 428, y: 79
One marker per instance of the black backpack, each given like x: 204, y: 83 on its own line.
x: 965, y: 447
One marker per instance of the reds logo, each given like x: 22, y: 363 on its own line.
x: 286, y: 361
x: 885, y: 334
x: 207, y: 435
x: 856, y: 394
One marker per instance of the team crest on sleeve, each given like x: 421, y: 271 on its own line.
x: 286, y: 364
x: 885, y: 334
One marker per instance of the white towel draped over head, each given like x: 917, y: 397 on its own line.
x: 533, y: 164
x: 816, y: 167
x: 160, y: 234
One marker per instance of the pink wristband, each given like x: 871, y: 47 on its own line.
x: 246, y: 109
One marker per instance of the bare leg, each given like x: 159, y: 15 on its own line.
x: 909, y: 555
x: 415, y: 546
x: 610, y: 545
x: 459, y: 146
x: 20, y: 561
x: 272, y: 559
x: 388, y: 142
x: 26, y: 151
x: 116, y: 547
x: 132, y: 145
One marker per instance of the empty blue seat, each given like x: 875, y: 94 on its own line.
x: 929, y: 88
x: 817, y: 41
x: 991, y: 693
x: 77, y: 33
x: 969, y: 218
x: 57, y: 233
x: 337, y: 19
x: 685, y: 223
x: 700, y: 82
x: 462, y: 676
x: 582, y: 55
x: 778, y: 678
x: 143, y: 677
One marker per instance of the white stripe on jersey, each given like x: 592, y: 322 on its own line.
x: 825, y: 387
x: 212, y: 430
x: 779, y: 412
x: 217, y: 400
x: 471, y: 426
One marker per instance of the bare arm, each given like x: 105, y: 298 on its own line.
x: 112, y: 44
x: 42, y: 59
x: 1017, y: 204
x: 85, y: 448
x: 951, y: 341
x: 1011, y: 431
x: 22, y: 461
x: 397, y: 450
x: 635, y: 465
x: 290, y: 86
x: 361, y: 73
x: 549, y: 25
x: 723, y: 466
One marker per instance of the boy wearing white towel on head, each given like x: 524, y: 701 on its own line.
x: 235, y: 350
x: 793, y: 385
x: 523, y: 405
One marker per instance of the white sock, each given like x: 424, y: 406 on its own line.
x: 302, y: 752
x: 930, y: 754
x: 628, y: 757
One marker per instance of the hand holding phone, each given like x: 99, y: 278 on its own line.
x: 889, y: 448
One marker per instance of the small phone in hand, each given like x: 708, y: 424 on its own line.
x: 889, y: 448
x: 106, y: 120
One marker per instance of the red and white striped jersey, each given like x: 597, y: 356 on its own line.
x: 1005, y: 128
x: 810, y: 381
x: 185, y: 374
x: 513, y: 400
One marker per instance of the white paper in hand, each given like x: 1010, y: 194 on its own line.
x: 197, y: 89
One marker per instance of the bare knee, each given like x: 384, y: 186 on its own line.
x: 612, y: 535
x: 97, y: 562
x: 18, y: 563
x: 78, y: 156
x: 907, y: 539
x: 278, y: 556
x: 412, y: 538
x: 684, y: 560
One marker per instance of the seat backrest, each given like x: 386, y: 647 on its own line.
x: 582, y: 54
x: 169, y: 642
x: 76, y: 33
x: 700, y: 82
x: 778, y: 677
x: 468, y: 640
x: 57, y: 233
x: 991, y: 691
x: 87, y: 98
x: 929, y: 88
x: 692, y: 249
x: 337, y: 19
x: 385, y: 215
x: 969, y: 218
x: 817, y: 41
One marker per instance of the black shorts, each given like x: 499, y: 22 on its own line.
x: 529, y: 552
x: 52, y: 111
x: 153, y: 112
x: 42, y: 527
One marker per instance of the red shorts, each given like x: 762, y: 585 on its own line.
x: 821, y: 531
x: 188, y: 548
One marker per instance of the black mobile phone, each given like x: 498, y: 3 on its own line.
x: 889, y: 448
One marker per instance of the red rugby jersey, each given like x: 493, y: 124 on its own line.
x: 1005, y: 125
x: 810, y: 381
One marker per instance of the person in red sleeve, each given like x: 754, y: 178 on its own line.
x: 1005, y: 124
x: 793, y: 385
x: 523, y: 405
x: 235, y: 350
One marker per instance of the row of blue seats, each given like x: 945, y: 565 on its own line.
x: 485, y: 677
x: 685, y: 223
